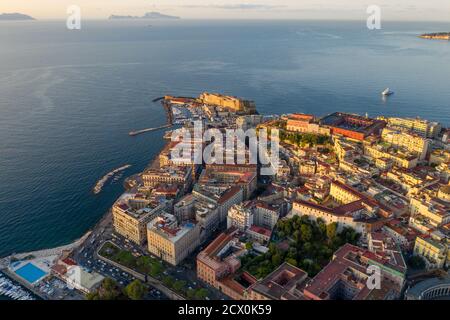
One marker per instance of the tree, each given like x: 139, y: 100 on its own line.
x: 126, y: 258
x: 190, y: 294
x: 179, y: 285
x: 306, y: 232
x: 331, y: 230
x: 135, y: 290
x: 292, y: 261
x: 201, y: 294
x: 109, y: 290
x: 277, y: 259
x: 144, y: 264
x: 417, y: 262
x: 92, y: 296
x: 248, y: 246
x: 156, y: 269
x: 168, y: 281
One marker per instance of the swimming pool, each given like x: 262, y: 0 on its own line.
x: 30, y: 273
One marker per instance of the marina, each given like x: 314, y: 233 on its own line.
x: 13, y: 291
x: 99, y: 186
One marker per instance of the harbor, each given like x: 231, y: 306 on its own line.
x: 12, y: 290
x: 169, y: 114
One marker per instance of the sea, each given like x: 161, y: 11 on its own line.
x: 68, y: 98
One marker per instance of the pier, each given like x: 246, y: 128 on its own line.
x: 169, y: 124
x: 135, y: 133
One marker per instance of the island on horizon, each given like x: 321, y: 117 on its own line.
x: 15, y: 17
x: 149, y: 15
x: 436, y: 35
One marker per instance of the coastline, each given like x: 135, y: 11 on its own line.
x: 106, y: 219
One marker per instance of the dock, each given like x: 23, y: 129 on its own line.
x: 169, y: 124
x: 135, y: 133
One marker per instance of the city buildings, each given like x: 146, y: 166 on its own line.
x: 427, y: 129
x: 352, y: 126
x: 351, y: 209
x: 131, y: 213
x: 346, y: 276
x: 434, y: 248
x: 285, y: 283
x: 410, y: 141
x: 171, y: 241
x: 180, y: 175
x: 220, y: 260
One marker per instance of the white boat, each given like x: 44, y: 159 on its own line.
x: 387, y: 92
x: 9, y: 289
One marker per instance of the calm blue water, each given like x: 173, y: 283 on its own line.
x: 69, y: 98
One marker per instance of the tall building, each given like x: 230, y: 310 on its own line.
x: 412, y: 142
x: 219, y: 261
x: 205, y: 213
x: 168, y: 175
x: 240, y: 216
x: 171, y: 241
x: 434, y: 248
x: 131, y: 213
x: 426, y: 128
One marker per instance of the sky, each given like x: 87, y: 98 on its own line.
x: 415, y: 10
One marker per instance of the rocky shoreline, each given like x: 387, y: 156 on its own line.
x: 436, y: 36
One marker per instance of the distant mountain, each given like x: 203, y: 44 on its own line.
x: 148, y: 15
x: 15, y: 17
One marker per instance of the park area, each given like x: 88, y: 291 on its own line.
x: 150, y: 266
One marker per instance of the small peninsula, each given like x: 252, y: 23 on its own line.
x: 149, y: 15
x: 436, y: 36
x: 15, y: 17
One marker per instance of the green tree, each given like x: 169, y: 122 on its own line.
x: 291, y: 261
x: 168, y: 281
x: 190, y: 294
x: 331, y: 230
x: 126, y: 258
x: 156, y: 268
x: 306, y: 232
x: 201, y: 294
x: 135, y: 290
x: 248, y: 245
x: 109, y: 290
x: 277, y: 259
x: 179, y: 285
x: 144, y: 264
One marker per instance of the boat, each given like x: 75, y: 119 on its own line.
x: 13, y: 291
x: 387, y: 92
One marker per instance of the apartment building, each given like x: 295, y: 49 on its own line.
x: 131, y: 213
x: 168, y: 175
x: 171, y: 241
x: 412, y: 142
x: 423, y: 127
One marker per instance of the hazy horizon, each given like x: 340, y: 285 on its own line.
x: 400, y: 10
